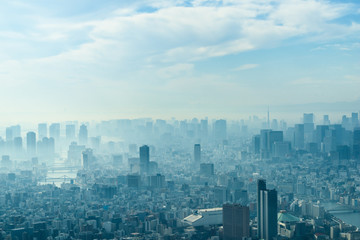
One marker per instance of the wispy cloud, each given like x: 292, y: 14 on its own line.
x: 246, y: 67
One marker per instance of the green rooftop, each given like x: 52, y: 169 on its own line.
x: 287, y: 217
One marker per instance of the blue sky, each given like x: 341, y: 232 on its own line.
x: 65, y: 60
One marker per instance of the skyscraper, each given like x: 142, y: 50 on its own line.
x: 54, y: 131
x: 197, y: 153
x: 144, y: 159
x: 299, y: 136
x: 261, y: 185
x: 87, y: 158
x: 31, y: 143
x: 267, y: 211
x: 83, y: 135
x: 220, y: 132
x: 42, y: 130
x: 236, y: 221
x: 70, y: 132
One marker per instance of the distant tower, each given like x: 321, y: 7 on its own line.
x: 31, y: 143
x: 70, y: 132
x: 236, y: 220
x: 54, y: 131
x: 83, y: 135
x: 144, y: 159
x: 87, y: 158
x: 197, y: 153
x: 18, y: 145
x: 42, y: 130
x: 220, y: 131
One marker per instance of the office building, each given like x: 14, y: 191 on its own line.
x: 54, y: 132
x: 197, y: 153
x: 42, y: 130
x: 87, y: 158
x: 236, y: 219
x: 83, y: 135
x: 144, y: 159
x: 31, y: 143
x: 220, y: 130
x: 299, y: 136
x: 267, y: 211
x: 207, y: 169
x: 70, y: 132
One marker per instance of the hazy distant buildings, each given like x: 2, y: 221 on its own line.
x: 197, y: 153
x: 236, y: 219
x: 144, y: 159
x: 87, y: 158
x: 299, y: 136
x: 74, y: 153
x: 42, y: 130
x: 207, y: 169
x: 220, y: 130
x: 70, y: 132
x: 31, y: 143
x: 83, y: 135
x: 54, y: 131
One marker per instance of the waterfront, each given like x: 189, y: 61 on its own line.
x: 352, y: 218
x: 59, y: 173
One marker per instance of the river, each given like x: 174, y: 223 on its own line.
x: 352, y: 218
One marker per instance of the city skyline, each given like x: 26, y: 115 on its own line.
x: 108, y: 60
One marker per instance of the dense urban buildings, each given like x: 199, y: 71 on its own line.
x: 182, y: 179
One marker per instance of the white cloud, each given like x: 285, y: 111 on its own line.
x: 115, y: 50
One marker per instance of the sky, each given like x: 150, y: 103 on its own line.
x: 98, y: 60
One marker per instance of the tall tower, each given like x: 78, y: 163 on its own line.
x: 70, y: 132
x: 31, y: 143
x: 42, y: 130
x: 144, y: 159
x: 267, y: 211
x: 197, y: 153
x: 83, y: 135
x: 261, y: 185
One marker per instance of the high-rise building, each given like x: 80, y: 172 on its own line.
x: 144, y: 159
x: 256, y: 144
x: 204, y: 128
x: 207, y: 169
x: 267, y: 211
x: 83, y: 135
x: 326, y: 120
x: 261, y: 185
x: 299, y: 136
x: 308, y: 118
x: 87, y: 158
x: 355, y: 120
x: 54, y: 131
x: 236, y: 220
x: 70, y: 132
x: 18, y: 145
x: 42, y: 130
x: 31, y: 143
x: 274, y: 136
x: 9, y: 134
x: 197, y: 153
x: 220, y: 132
